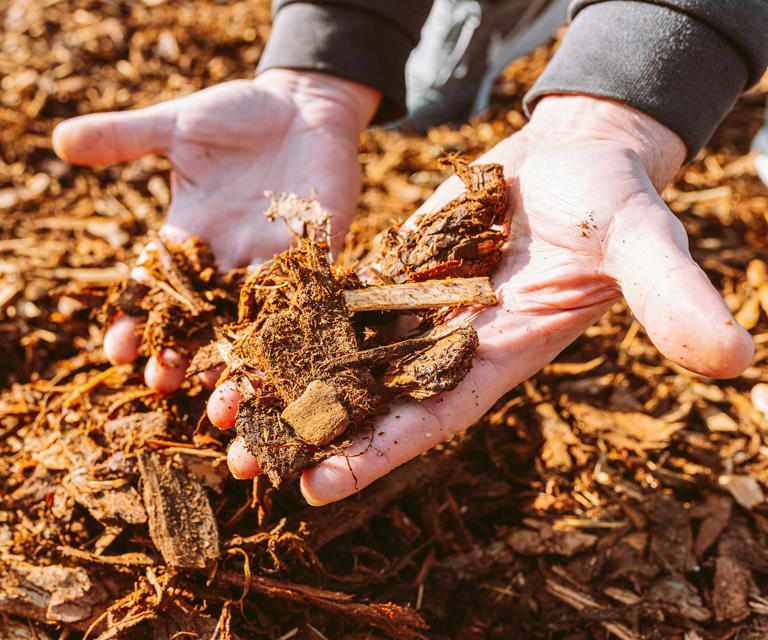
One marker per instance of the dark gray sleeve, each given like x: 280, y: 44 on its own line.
x: 683, y: 62
x: 367, y: 41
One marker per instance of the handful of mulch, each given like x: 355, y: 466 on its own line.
x: 310, y: 347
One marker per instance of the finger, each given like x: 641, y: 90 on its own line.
x: 122, y: 340
x: 104, y: 138
x: 222, y: 405
x: 165, y: 373
x: 241, y: 462
x: 682, y: 312
x: 211, y: 377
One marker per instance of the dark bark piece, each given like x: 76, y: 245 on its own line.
x: 108, y: 505
x: 272, y: 441
x: 730, y: 590
x: 457, y: 240
x: 718, y: 516
x: 742, y: 542
x: 436, y: 368
x: 679, y: 597
x: 671, y: 535
x: 181, y: 521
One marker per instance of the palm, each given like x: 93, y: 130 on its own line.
x: 231, y: 143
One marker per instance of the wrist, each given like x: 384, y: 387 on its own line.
x: 660, y: 150
x: 325, y: 99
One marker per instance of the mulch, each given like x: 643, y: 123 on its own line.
x: 612, y: 495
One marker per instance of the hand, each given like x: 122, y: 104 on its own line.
x: 284, y: 131
x: 587, y: 226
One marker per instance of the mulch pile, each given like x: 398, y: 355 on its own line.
x: 612, y: 494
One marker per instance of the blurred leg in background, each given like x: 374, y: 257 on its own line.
x: 464, y: 47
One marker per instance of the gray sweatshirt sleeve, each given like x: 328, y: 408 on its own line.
x: 683, y: 62
x: 367, y: 41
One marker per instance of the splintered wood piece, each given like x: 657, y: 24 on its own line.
x: 317, y: 416
x: 181, y: 521
x: 428, y: 294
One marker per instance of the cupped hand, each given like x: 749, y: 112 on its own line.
x: 283, y: 131
x: 587, y: 226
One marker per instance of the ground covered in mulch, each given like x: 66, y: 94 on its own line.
x: 614, y: 493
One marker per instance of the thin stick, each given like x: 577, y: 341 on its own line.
x: 430, y: 294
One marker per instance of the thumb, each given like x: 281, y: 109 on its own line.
x: 682, y: 312
x: 104, y: 138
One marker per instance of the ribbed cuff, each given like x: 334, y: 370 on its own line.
x: 346, y: 42
x: 660, y: 61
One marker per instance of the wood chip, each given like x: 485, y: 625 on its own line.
x: 628, y: 430
x: 49, y: 593
x: 181, y: 521
x: 749, y: 313
x: 429, y: 294
x: 557, y: 437
x: 744, y: 489
x: 543, y: 538
x: 730, y: 590
x: 759, y: 397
